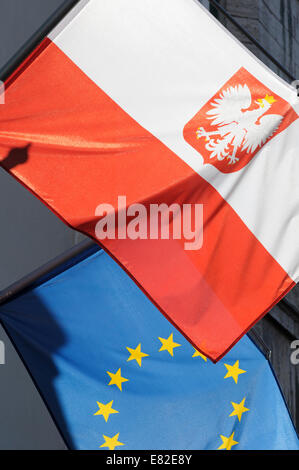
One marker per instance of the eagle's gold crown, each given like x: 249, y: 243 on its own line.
x: 268, y: 98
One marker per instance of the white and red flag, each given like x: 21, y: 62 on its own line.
x: 153, y: 100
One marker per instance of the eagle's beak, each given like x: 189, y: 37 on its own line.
x: 260, y: 102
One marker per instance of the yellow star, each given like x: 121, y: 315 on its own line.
x: 105, y: 410
x: 136, y: 354
x: 168, y: 344
x: 234, y: 371
x: 111, y: 442
x: 228, y: 442
x: 239, y: 409
x: 197, y: 353
x: 116, y: 379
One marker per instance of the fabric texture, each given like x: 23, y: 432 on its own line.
x: 89, y: 336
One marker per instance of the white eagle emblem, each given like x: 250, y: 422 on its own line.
x: 238, y: 127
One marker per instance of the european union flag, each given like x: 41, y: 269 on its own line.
x: 117, y: 375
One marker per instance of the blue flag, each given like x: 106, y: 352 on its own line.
x: 117, y: 375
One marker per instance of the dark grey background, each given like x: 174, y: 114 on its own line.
x: 31, y: 235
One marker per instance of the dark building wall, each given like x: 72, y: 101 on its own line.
x: 30, y: 235
x: 274, y: 23
x: 278, y: 329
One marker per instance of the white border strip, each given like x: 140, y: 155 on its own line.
x: 67, y: 19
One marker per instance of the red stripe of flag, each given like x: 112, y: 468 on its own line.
x: 85, y: 150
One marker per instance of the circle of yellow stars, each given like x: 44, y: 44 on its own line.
x: 168, y: 345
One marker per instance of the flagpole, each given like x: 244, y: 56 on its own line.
x: 36, y: 38
x: 28, y: 280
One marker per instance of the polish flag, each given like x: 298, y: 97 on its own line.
x: 154, y: 101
